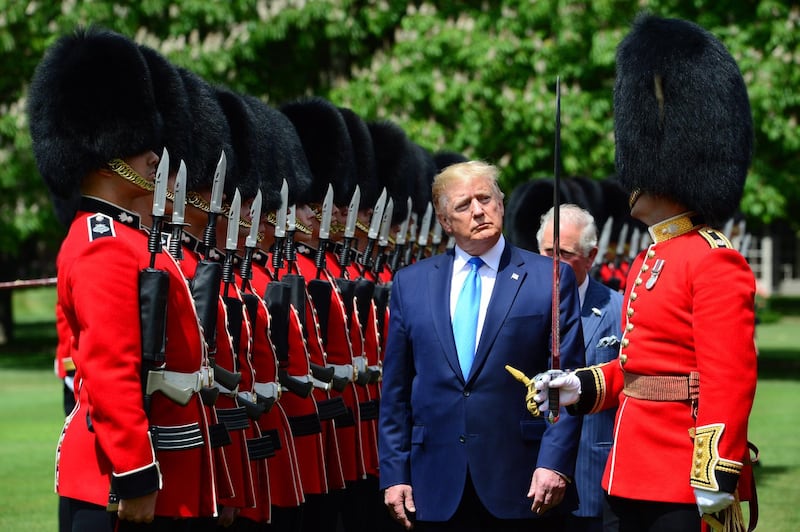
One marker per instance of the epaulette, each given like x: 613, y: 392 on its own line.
x: 100, y: 225
x: 715, y: 238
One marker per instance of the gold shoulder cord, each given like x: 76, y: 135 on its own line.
x: 121, y: 168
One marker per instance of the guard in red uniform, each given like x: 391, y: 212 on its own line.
x: 135, y: 443
x: 686, y: 373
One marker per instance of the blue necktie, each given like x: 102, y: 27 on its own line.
x: 465, y: 317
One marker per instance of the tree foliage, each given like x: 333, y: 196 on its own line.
x: 476, y: 77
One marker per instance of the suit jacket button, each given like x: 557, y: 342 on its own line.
x: 466, y: 393
x: 462, y: 439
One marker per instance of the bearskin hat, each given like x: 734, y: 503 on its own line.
x: 210, y: 135
x: 397, y: 163
x: 172, y: 104
x: 364, y: 151
x: 285, y: 158
x: 426, y: 171
x: 682, y: 117
x: 90, y: 101
x: 445, y: 158
x: 327, y: 145
x: 251, y: 158
x: 525, y: 207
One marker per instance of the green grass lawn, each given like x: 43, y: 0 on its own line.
x: 32, y: 419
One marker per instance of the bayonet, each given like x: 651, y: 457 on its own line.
x: 436, y: 239
x: 291, y: 227
x: 633, y: 248
x: 374, y: 228
x: 620, y: 250
x: 215, y: 206
x: 424, y: 230
x: 251, y: 241
x: 178, y: 213
x: 159, y: 203
x: 231, y: 240
x: 412, y: 238
x: 324, y: 231
x: 400, y: 241
x: 280, y: 229
x: 349, y: 230
x: 602, y: 245
x: 383, y: 237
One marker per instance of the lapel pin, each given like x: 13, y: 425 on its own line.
x: 515, y: 276
x: 596, y: 311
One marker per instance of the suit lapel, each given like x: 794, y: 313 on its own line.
x: 510, y: 277
x: 439, y: 288
x: 589, y: 319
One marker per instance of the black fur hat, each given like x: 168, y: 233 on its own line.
x: 251, y: 158
x: 285, y: 158
x: 445, y: 158
x: 397, y: 164
x: 682, y: 117
x: 326, y: 143
x: 172, y: 103
x: 210, y: 135
x: 525, y: 207
x: 426, y: 171
x: 364, y: 151
x: 91, y: 100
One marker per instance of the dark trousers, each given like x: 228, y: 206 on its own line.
x: 607, y: 522
x: 650, y: 516
x: 472, y: 516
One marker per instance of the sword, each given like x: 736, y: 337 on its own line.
x: 424, y: 229
x: 383, y: 238
x: 555, y: 355
x: 159, y: 204
x: 280, y: 229
x: 349, y: 231
x: 178, y: 213
x: 215, y: 207
x: 374, y: 228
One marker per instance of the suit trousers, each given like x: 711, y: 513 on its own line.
x: 651, y: 516
x: 472, y: 516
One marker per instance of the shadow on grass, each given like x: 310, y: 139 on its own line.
x: 33, y: 347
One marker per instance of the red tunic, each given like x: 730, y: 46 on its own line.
x: 689, y: 306
x: 98, y: 275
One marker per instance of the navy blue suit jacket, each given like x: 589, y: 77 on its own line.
x: 434, y: 425
x: 600, y: 315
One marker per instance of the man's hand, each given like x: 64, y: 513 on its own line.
x: 547, y: 490
x: 399, y: 501
x: 569, y: 386
x: 139, y: 510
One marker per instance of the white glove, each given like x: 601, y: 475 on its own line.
x: 568, y: 384
x: 711, y: 502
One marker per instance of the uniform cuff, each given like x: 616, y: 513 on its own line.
x: 136, y: 483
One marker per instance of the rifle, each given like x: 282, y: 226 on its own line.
x: 153, y: 293
x: 234, y: 305
x: 365, y: 259
x: 383, y: 238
